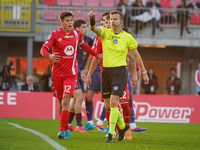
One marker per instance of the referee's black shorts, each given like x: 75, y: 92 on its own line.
x: 114, y: 81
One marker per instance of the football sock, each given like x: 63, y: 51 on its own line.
x: 64, y: 120
x: 71, y: 117
x: 103, y: 113
x: 89, y: 111
x: 114, y: 112
x: 117, y: 128
x: 126, y: 112
x: 79, y: 119
x: 133, y: 125
x: 100, y: 122
x: 108, y: 117
x: 120, y: 122
x: 132, y: 118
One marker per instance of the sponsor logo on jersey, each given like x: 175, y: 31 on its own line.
x: 69, y: 50
x: 49, y: 37
x: 67, y: 36
x: 115, y: 41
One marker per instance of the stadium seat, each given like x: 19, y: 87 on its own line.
x: 63, y: 2
x: 49, y: 2
x: 195, y: 19
x: 165, y: 3
x: 176, y: 3
x: 167, y: 18
x: 49, y: 15
x: 147, y: 1
x: 78, y: 2
x: 79, y: 14
x: 97, y: 17
x: 107, y: 3
x: 93, y: 3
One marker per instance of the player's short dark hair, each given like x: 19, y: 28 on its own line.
x: 78, y: 23
x: 117, y: 12
x: 65, y: 14
x: 106, y: 17
x: 105, y: 14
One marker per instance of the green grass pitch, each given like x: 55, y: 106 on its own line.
x: 159, y: 136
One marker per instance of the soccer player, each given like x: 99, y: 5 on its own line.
x: 116, y: 44
x: 83, y: 63
x: 95, y: 86
x: 64, y: 42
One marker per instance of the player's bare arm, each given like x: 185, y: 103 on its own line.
x: 93, y: 27
x: 93, y: 66
x: 84, y: 72
x: 132, y: 69
x: 141, y: 65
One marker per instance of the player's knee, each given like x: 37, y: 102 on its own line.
x: 71, y: 109
x: 88, y: 98
x: 77, y: 108
x: 113, y: 103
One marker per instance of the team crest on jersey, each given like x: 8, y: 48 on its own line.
x: 84, y: 53
x: 48, y: 38
x: 69, y: 50
x: 115, y: 41
x: 59, y: 39
x: 67, y: 36
x: 115, y: 88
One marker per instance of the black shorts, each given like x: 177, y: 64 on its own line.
x: 114, y: 81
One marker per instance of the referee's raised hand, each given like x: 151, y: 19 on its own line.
x: 91, y: 13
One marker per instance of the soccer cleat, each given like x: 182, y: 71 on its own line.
x: 109, y: 139
x: 137, y: 129
x: 122, y: 132
x: 80, y: 129
x: 128, y: 134
x: 67, y: 134
x: 107, y: 130
x: 114, y: 136
x: 71, y: 128
x: 89, y: 126
x: 99, y: 127
x: 60, y: 135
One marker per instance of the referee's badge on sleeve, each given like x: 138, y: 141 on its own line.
x: 115, y: 88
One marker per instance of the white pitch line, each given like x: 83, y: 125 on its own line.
x: 44, y: 137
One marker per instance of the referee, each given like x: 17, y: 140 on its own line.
x: 115, y: 45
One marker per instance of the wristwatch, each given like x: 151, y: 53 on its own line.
x: 145, y: 72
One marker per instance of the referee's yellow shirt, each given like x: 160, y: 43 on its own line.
x: 115, y: 47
